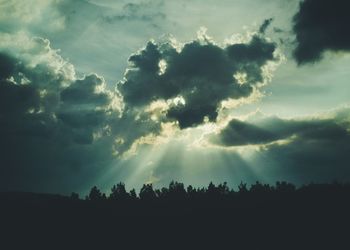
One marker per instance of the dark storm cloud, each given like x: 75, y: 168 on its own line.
x: 201, y: 73
x: 321, y: 25
x: 54, y: 129
x: 319, y: 153
x: 313, y: 150
x: 238, y: 133
x: 7, y: 65
x: 268, y: 130
x: 83, y: 92
x: 14, y: 98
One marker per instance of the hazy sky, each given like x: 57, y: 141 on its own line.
x: 97, y: 92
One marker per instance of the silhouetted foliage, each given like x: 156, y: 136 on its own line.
x: 118, y: 192
x: 133, y: 194
x: 176, y: 193
x: 214, y: 212
x: 96, y: 195
x: 260, y: 188
x: 147, y: 192
x: 242, y: 188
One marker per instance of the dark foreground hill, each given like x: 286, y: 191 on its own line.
x: 315, y: 216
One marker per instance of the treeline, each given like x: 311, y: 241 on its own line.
x: 183, y: 216
x: 178, y: 191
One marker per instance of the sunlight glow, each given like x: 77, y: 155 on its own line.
x: 179, y: 100
x: 162, y: 67
x: 240, y: 77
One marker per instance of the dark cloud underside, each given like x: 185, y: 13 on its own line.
x: 238, y: 133
x: 320, y: 154
x: 201, y: 73
x: 319, y: 26
x: 268, y: 130
x: 313, y: 149
x: 52, y: 127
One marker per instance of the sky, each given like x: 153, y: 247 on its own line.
x: 149, y: 91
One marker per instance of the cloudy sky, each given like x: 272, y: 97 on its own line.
x: 94, y: 92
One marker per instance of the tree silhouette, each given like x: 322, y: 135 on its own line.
x: 242, y: 188
x: 147, y: 193
x: 259, y: 188
x: 133, y: 194
x: 176, y: 191
x: 118, y: 192
x: 96, y: 195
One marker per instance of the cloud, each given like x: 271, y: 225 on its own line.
x: 318, y: 153
x: 238, y: 133
x: 54, y: 127
x: 195, y: 78
x: 265, y: 25
x: 269, y: 130
x: 319, y: 26
x: 309, y: 149
x: 132, y: 128
x: 304, y: 150
x: 147, y: 11
x: 61, y: 130
x: 32, y: 14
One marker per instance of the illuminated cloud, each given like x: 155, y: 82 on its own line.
x: 201, y: 74
x: 61, y: 124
